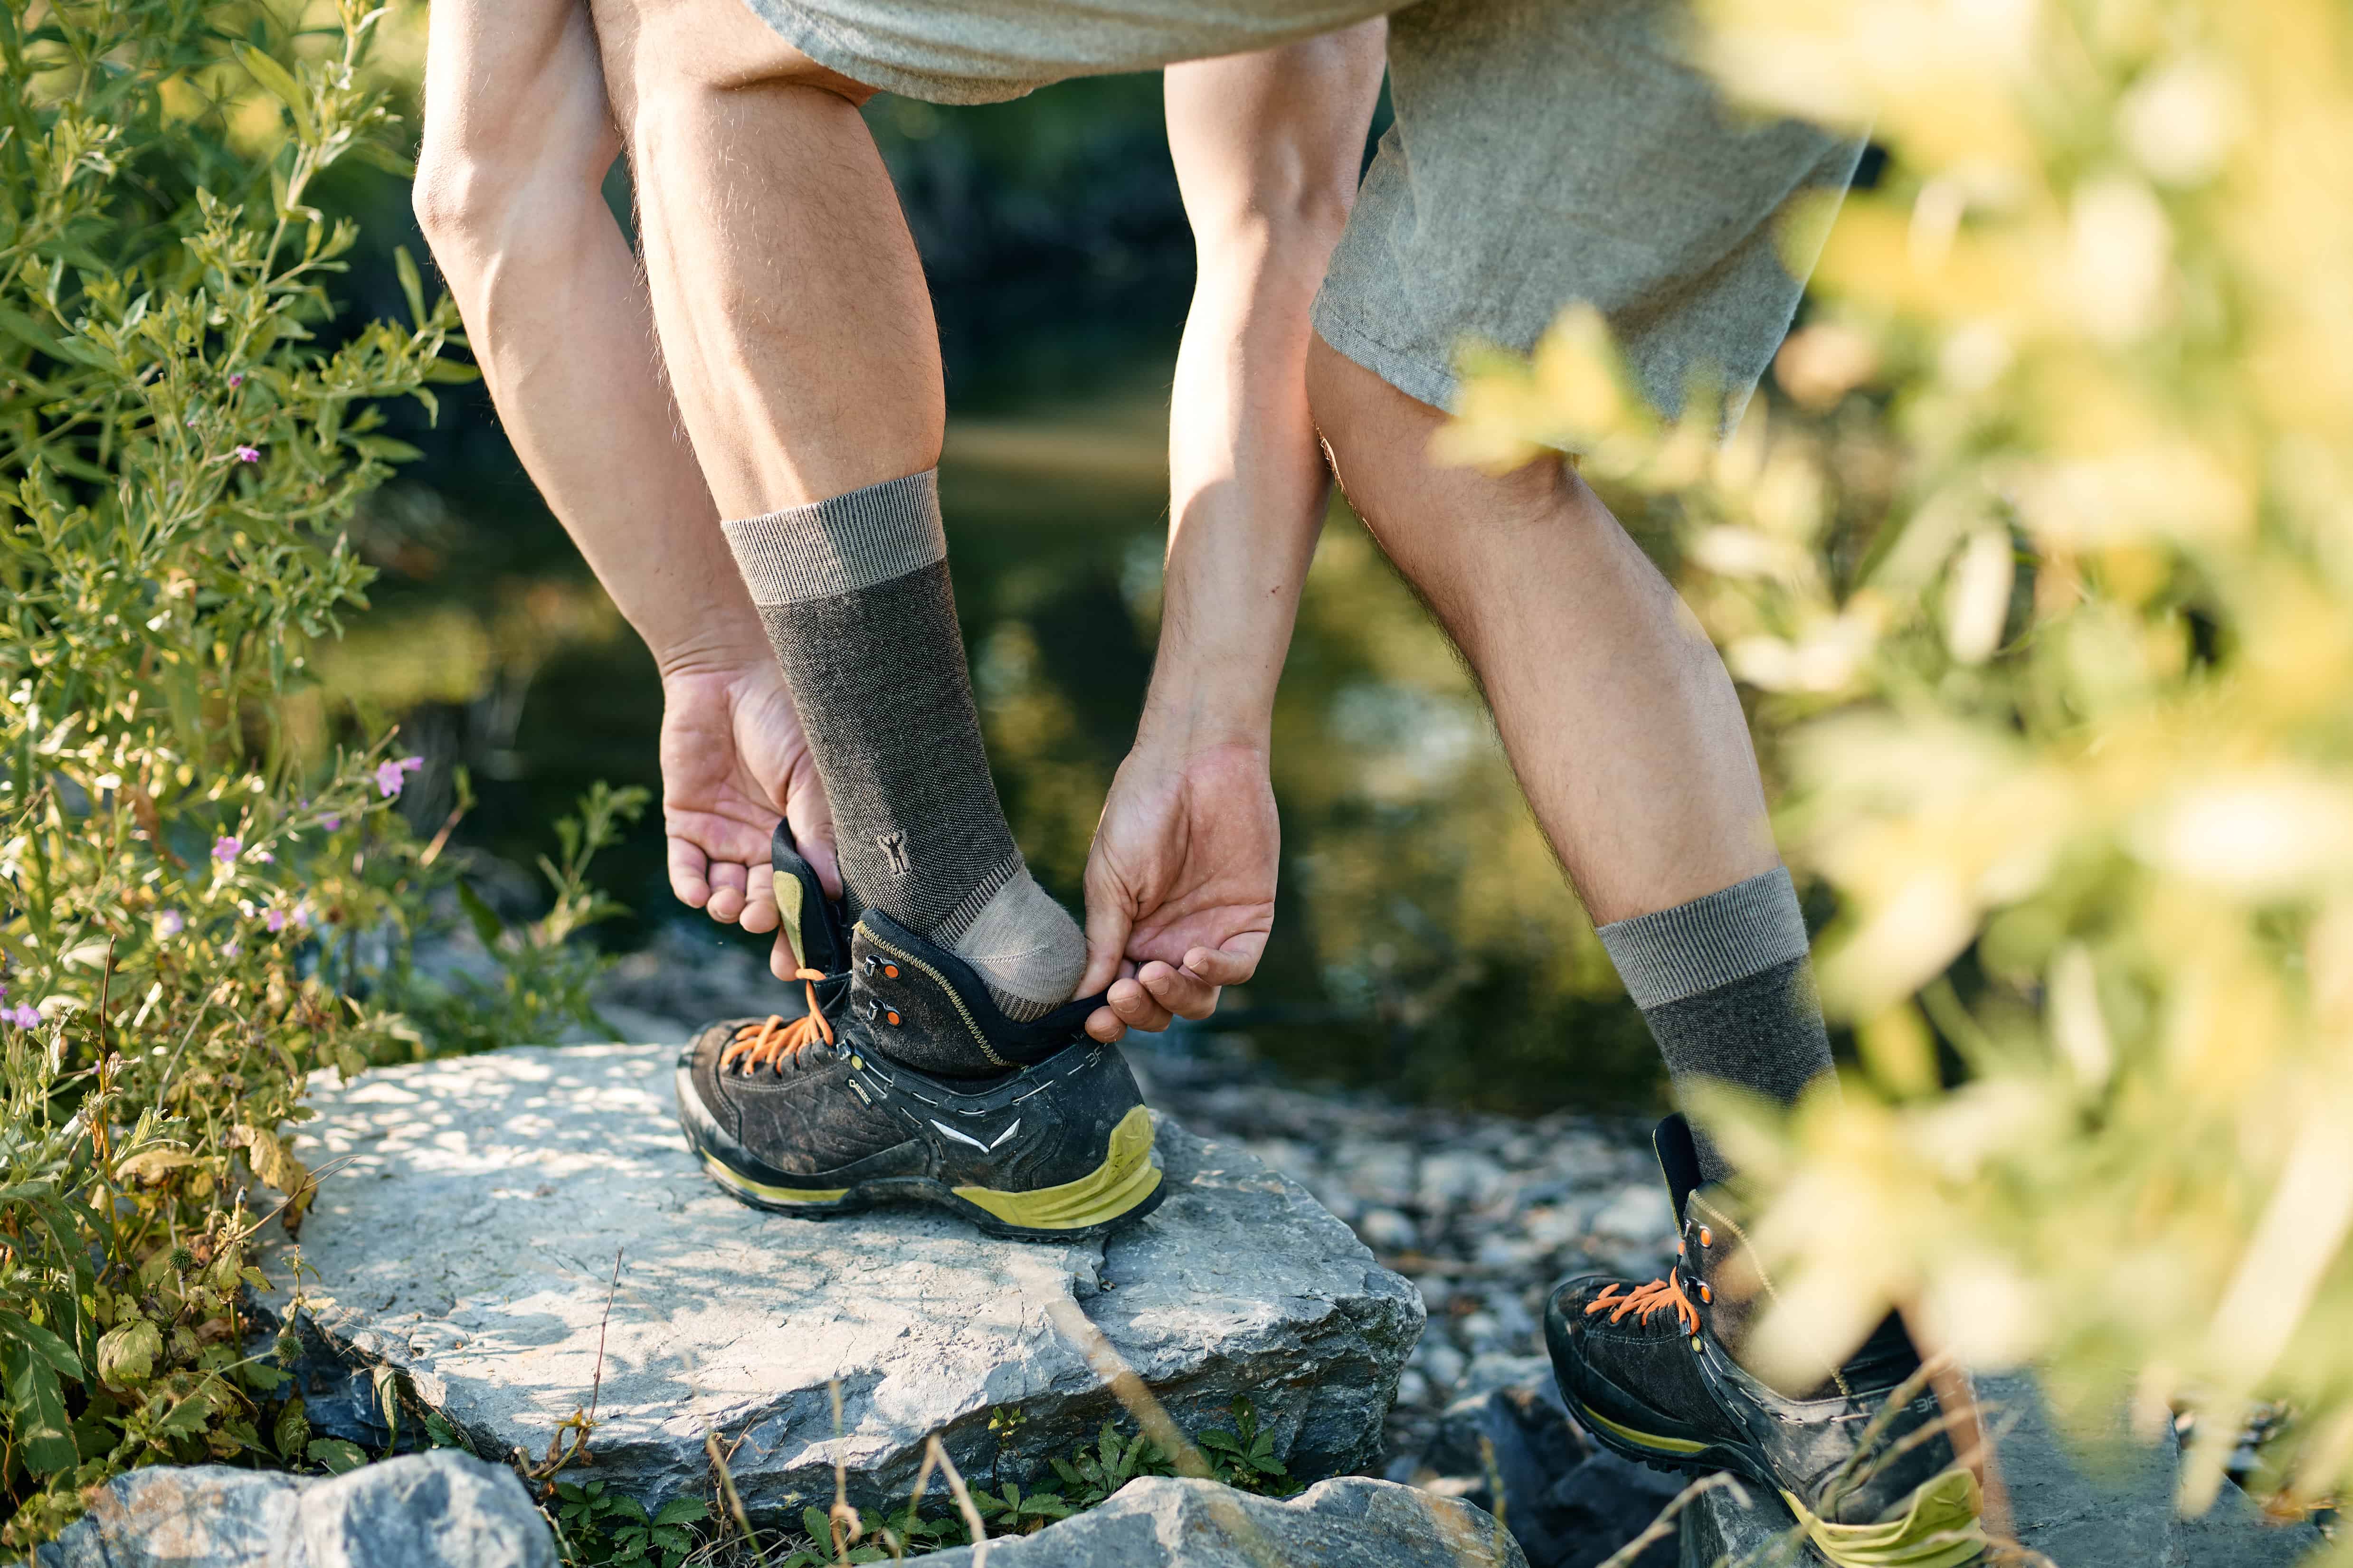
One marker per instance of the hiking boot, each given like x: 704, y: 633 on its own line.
x: 1650, y: 1369
x: 835, y: 1104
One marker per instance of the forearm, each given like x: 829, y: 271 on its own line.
x: 1247, y: 488
x: 1266, y: 149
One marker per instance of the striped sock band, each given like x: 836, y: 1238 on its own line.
x: 1725, y: 985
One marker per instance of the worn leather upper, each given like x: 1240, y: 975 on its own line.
x: 1665, y: 1375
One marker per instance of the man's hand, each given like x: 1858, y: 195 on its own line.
x: 733, y: 761
x: 1180, y: 884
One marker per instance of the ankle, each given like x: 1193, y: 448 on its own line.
x: 1023, y: 943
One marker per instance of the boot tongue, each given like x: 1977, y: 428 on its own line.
x: 820, y: 930
x: 1678, y: 1160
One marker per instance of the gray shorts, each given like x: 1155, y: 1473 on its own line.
x: 1544, y: 152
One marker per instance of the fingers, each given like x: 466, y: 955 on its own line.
x: 1111, y: 915
x: 812, y: 825
x: 819, y: 854
x: 728, y: 892
x: 688, y: 873
x: 1228, y: 966
x: 759, y: 900
x: 1136, y: 1006
x: 1158, y: 994
x: 1176, y: 991
x: 783, y: 961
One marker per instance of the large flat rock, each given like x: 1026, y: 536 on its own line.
x: 1350, y: 1523
x: 469, y: 1233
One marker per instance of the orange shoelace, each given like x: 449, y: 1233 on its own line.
x: 774, y: 1041
x: 1645, y: 1301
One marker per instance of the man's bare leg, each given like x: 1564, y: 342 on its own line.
x: 799, y: 333
x: 518, y: 140
x: 792, y: 308
x: 1621, y: 722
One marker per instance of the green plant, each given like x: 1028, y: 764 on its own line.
x: 2040, y: 576
x: 1244, y: 1458
x: 196, y: 911
x: 600, y: 1527
x: 1093, y: 1474
x: 544, y: 980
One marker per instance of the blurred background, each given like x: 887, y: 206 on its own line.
x: 1425, y: 942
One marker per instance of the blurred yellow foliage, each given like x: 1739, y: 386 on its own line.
x: 2041, y: 572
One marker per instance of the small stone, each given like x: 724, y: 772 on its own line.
x: 1600, y: 1505
x: 442, y: 1509
x: 1638, y: 1212
x: 1511, y: 1449
x: 1351, y: 1522
x: 1294, y: 1159
x: 1486, y: 1373
x: 1441, y: 1362
x: 1378, y: 1172
x: 1458, y: 1178
x: 1515, y: 1326
x: 1736, y: 1523
x: 1386, y: 1230
x: 1506, y: 1252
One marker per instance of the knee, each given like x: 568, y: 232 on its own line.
x: 475, y: 194
x: 505, y: 148
x: 1378, y: 440
x: 451, y: 199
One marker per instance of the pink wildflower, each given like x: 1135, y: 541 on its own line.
x: 23, y: 1018
x: 331, y: 821
x: 237, y: 378
x: 248, y: 454
x: 275, y: 919
x: 389, y: 774
x: 225, y: 850
x: 171, y: 923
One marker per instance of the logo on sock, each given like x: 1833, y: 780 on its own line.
x: 894, y: 849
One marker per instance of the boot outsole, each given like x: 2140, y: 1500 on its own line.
x: 1937, y: 1526
x: 1128, y: 1186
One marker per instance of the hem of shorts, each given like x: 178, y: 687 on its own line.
x: 1404, y: 370
x: 807, y: 34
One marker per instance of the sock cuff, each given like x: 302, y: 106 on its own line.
x: 1711, y: 941
x: 839, y: 546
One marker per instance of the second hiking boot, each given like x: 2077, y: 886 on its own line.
x: 1649, y: 1370
x: 840, y: 1104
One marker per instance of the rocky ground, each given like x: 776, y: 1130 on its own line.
x: 435, y: 1256
x: 1485, y: 1213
